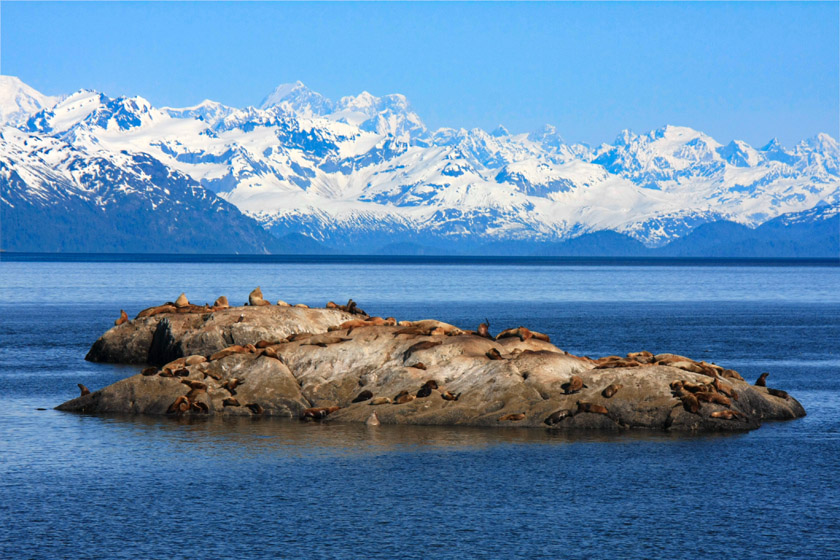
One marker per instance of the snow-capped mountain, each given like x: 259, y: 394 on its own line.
x: 364, y: 171
x: 18, y: 100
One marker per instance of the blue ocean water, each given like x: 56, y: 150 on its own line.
x: 76, y: 486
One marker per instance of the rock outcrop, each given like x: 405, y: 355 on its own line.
x: 331, y: 363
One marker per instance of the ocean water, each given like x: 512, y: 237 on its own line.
x: 76, y: 486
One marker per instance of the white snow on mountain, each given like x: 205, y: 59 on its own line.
x: 18, y: 100
x: 367, y: 165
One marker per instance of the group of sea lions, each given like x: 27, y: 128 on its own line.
x: 405, y: 396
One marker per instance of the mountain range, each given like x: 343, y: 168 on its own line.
x: 303, y: 173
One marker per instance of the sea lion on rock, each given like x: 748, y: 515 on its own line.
x: 255, y: 408
x: 558, y: 416
x: 619, y: 363
x: 402, y: 399
x: 221, y: 303
x: 717, y: 398
x: 229, y: 351
x: 193, y: 384
x: 332, y: 305
x: 256, y: 298
x: 193, y: 360
x: 363, y: 396
x: 149, y: 371
x: 301, y: 305
x: 272, y: 353
x: 232, y: 384
x: 318, y: 413
x: 182, y: 301
x: 157, y: 310
x: 726, y: 414
x: 592, y: 408
x: 265, y: 344
x: 484, y: 330
x: 611, y: 390
x: 123, y: 318
x: 762, y: 380
x: 521, y: 332
x: 379, y: 400
x: 230, y: 401
x: 281, y: 303
x: 372, y: 420
x: 181, y: 372
x: 83, y: 389
x: 165, y: 373
x: 643, y: 357
x: 494, y: 354
x: 418, y: 365
x: 778, y: 393
x: 426, y: 389
x: 448, y: 396
x: 540, y: 336
x: 689, y: 401
x: 200, y: 407
x: 574, y: 385
x: 512, y: 417
x: 731, y: 374
x: 181, y: 404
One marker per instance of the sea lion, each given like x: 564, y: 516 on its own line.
x: 181, y: 404
x: 717, y: 398
x: 83, y: 389
x: 332, y: 305
x: 192, y: 394
x: 540, y: 336
x: 324, y: 340
x: 318, y: 413
x: 157, y: 310
x: 230, y: 401
x: 229, y: 351
x: 726, y: 414
x: 689, y: 401
x: 193, y: 384
x: 426, y: 389
x: 574, y: 385
x: 522, y: 332
x: 165, y: 373
x: 558, y: 416
x: 256, y: 298
x: 199, y: 406
x: 363, y: 396
x: 494, y: 354
x: 778, y: 393
x: 193, y: 360
x: 762, y: 380
x: 731, y: 374
x: 424, y: 345
x: 724, y: 388
x: 149, y: 371
x: 182, y: 301
x: 181, y: 372
x: 123, y: 318
x: 448, y: 396
x: 617, y: 363
x: 221, y: 303
x: 484, y: 330
x: 272, y: 353
x: 265, y: 344
x: 281, y: 303
x: 301, y: 305
x: 418, y: 365
x: 380, y: 400
x: 611, y: 390
x: 232, y: 384
x: 512, y: 417
x: 643, y: 357
x: 255, y: 408
x: 591, y: 407
x: 402, y: 399
x: 372, y: 420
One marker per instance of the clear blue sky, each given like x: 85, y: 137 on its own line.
x: 746, y: 71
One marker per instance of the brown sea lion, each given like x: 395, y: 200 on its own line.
x: 229, y: 351
x: 717, y: 398
x: 762, y: 380
x: 521, y: 332
x: 574, y: 385
x: 484, y: 330
x: 193, y: 384
x: 619, y: 363
x: 363, y: 396
x: 149, y: 371
x: 418, y: 365
x: 301, y: 305
x: 380, y: 400
x: 318, y: 413
x: 199, y: 406
x: 265, y: 344
x: 494, y: 354
x: 323, y: 340
x: 540, y: 336
x: 230, y: 401
x: 372, y: 420
x: 404, y: 399
x: 193, y: 360
x: 611, y: 390
x: 778, y: 393
x: 272, y: 353
x: 182, y: 301
x: 426, y: 389
x: 181, y: 404
x: 255, y: 408
x: 516, y: 417
x: 256, y: 297
x: 165, y: 373
x: 157, y: 310
x: 643, y: 357
x: 193, y: 394
x: 689, y: 401
x: 331, y: 305
x: 181, y: 372
x: 424, y: 345
x: 731, y: 374
x: 83, y: 389
x: 281, y: 303
x: 591, y: 407
x: 448, y: 396
x: 123, y: 318
x: 726, y: 414
x: 558, y: 416
x: 221, y: 303
x: 232, y: 384
x: 724, y: 388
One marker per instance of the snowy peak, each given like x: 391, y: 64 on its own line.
x: 298, y: 99
x: 208, y: 111
x: 740, y: 154
x: 18, y: 101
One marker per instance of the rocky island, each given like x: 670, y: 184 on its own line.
x: 338, y: 364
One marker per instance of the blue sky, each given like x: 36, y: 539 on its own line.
x: 746, y: 71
